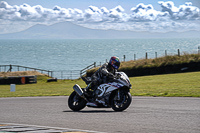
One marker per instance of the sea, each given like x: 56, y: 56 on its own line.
x: 76, y: 54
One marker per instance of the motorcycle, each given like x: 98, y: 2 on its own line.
x: 114, y: 94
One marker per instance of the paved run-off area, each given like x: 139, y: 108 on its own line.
x: 145, y: 114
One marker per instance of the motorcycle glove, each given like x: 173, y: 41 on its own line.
x: 111, y: 76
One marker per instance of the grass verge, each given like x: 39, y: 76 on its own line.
x: 42, y: 88
x: 155, y: 63
x: 170, y: 85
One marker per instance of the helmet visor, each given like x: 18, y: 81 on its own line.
x: 116, y: 65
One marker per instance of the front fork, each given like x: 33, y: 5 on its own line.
x: 88, y: 86
x: 118, y: 94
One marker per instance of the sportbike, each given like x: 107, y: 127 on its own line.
x: 114, y: 94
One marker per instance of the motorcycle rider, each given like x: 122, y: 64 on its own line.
x: 104, y: 74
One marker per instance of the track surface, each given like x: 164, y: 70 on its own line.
x: 145, y: 115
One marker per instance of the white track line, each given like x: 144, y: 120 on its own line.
x: 47, y: 127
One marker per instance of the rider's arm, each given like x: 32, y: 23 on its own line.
x: 105, y: 71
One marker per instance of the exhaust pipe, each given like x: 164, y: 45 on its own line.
x: 78, y: 90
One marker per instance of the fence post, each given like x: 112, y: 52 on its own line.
x: 94, y: 64
x: 199, y: 50
x: 165, y: 52
x: 156, y: 54
x: 146, y: 55
x: 178, y: 52
x: 124, y: 58
x: 10, y: 70
x: 134, y: 56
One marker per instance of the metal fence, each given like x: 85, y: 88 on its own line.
x: 66, y: 74
x: 63, y: 74
x: 14, y: 68
x: 73, y: 74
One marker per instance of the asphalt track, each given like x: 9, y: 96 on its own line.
x: 145, y: 115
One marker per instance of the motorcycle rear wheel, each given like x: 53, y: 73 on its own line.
x: 123, y: 103
x: 75, y: 102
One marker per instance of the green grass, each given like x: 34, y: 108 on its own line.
x: 161, y: 61
x: 42, y: 88
x: 157, y: 62
x: 170, y: 85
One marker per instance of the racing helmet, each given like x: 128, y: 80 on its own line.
x: 114, y: 62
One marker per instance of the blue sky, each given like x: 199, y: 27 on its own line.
x: 83, y: 4
x: 133, y: 15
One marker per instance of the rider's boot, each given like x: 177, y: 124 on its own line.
x: 93, y: 103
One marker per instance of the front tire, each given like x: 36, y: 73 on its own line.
x: 75, y: 102
x: 122, y: 103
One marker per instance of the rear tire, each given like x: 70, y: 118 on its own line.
x: 123, y: 103
x: 75, y: 102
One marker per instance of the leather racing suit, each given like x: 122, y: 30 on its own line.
x: 103, y: 74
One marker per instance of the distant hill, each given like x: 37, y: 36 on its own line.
x: 68, y: 30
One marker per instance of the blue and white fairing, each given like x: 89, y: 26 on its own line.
x: 120, y: 81
x: 124, y: 79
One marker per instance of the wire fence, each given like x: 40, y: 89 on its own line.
x: 146, y: 55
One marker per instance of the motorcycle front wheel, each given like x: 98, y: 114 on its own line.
x: 75, y: 102
x: 122, y: 103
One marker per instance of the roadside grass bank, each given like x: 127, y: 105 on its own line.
x: 161, y: 61
x: 162, y: 65
x: 167, y: 85
x: 41, y: 88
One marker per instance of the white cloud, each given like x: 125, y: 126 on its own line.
x: 183, y: 12
x: 144, y: 13
x: 142, y: 17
